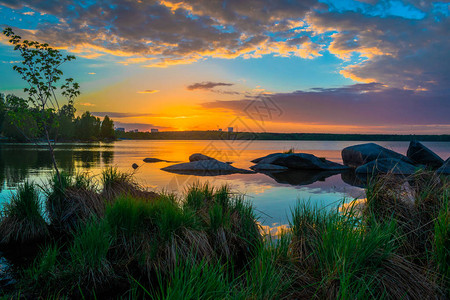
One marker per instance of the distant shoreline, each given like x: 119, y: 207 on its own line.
x: 220, y: 135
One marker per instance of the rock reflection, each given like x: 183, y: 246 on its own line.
x: 300, y: 177
x: 351, y: 178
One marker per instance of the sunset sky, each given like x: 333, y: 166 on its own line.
x: 337, y: 66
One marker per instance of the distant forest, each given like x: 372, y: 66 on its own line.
x: 220, y: 135
x: 64, y: 126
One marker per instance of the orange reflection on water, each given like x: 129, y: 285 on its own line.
x: 356, y: 206
x: 275, y: 230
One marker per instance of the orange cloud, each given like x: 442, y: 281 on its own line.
x: 86, y: 104
x: 347, y: 73
x: 148, y: 92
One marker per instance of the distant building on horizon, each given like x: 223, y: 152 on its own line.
x: 230, y: 129
x: 134, y: 130
x: 121, y: 129
x: 220, y: 129
x: 154, y: 130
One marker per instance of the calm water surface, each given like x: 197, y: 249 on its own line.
x: 272, y: 197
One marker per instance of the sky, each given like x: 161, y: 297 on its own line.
x: 331, y: 66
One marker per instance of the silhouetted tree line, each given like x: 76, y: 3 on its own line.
x: 64, y: 126
x: 220, y: 135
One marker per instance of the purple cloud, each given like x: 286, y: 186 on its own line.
x: 206, y: 85
x: 360, y: 105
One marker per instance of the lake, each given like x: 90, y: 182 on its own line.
x: 272, y: 197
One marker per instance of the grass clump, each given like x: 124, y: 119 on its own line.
x: 21, y: 220
x: 346, y: 260
x: 289, y: 151
x: 268, y: 275
x: 415, y: 204
x: 116, y: 183
x: 441, y: 245
x: 72, y: 202
x: 126, y: 215
x: 229, y: 220
x: 43, y: 274
x: 175, y: 232
x: 193, y: 280
x: 88, y: 255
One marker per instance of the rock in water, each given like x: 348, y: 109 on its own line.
x: 204, y: 167
x: 257, y: 160
x: 199, y: 156
x: 300, y: 161
x: 422, y: 155
x: 358, y: 155
x: 135, y: 166
x: 387, y: 165
x: 152, y: 160
x: 268, y: 167
x: 445, y: 169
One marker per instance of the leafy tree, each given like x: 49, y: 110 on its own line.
x: 87, y: 127
x: 16, y: 110
x: 40, y: 68
x: 66, y: 128
x: 107, y: 128
x: 2, y: 110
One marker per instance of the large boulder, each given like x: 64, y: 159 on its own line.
x: 268, y: 167
x: 301, y: 161
x: 199, y: 156
x: 209, y: 167
x: 358, y: 155
x: 257, y: 160
x: 386, y: 165
x: 445, y: 168
x: 422, y: 155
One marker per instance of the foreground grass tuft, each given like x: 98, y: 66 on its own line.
x: 88, y: 254
x: 21, y: 220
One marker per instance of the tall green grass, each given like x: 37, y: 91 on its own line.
x: 73, y: 201
x: 193, y: 280
x: 198, y: 195
x: 268, y: 275
x: 441, y: 245
x: 43, y: 274
x: 229, y: 221
x: 127, y: 215
x: 116, y: 183
x: 349, y: 259
x: 21, y: 219
x: 88, y: 254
